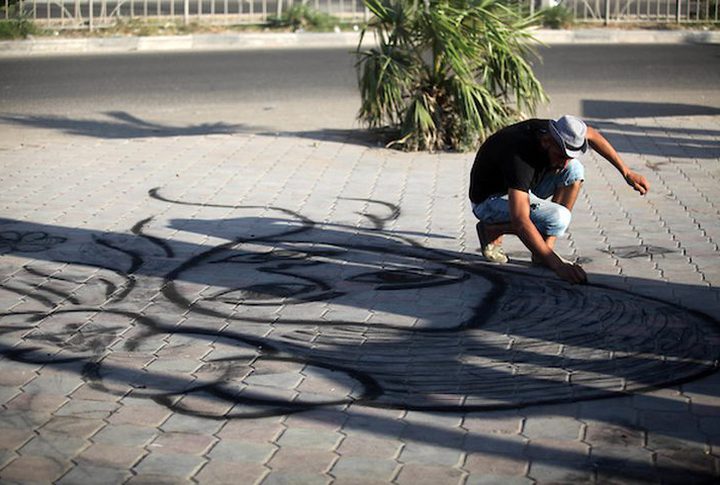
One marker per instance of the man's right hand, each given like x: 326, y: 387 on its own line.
x: 571, y: 272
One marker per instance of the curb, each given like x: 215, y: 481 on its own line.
x: 177, y: 43
x: 247, y: 41
x: 620, y: 36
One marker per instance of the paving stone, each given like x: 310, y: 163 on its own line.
x: 508, y: 423
x: 278, y: 478
x: 90, y: 475
x: 504, y: 444
x: 74, y: 426
x: 369, y: 447
x: 557, y: 450
x: 190, y: 424
x: 109, y: 455
x: 684, y: 439
x: 205, y: 405
x: 173, y: 365
x: 600, y: 434
x: 16, y: 376
x: 369, y: 425
x: 158, y: 479
x: 309, y: 438
x: 56, y: 383
x: 426, y: 474
x: 7, y: 393
x: 13, y: 438
x: 87, y: 409
x: 56, y: 446
x: 13, y: 418
x: 262, y: 430
x: 710, y: 425
x: 687, y: 465
x: 230, y: 450
x: 329, y: 420
x: 483, y: 479
x: 231, y: 473
x: 302, y: 461
x: 430, y: 454
x: 282, y: 380
x: 669, y: 422
x: 544, y: 472
x: 140, y: 415
x: 664, y: 400
x: 617, y: 474
x: 170, y: 464
x: 32, y: 469
x: 441, y: 420
x: 6, y: 456
x: 553, y: 427
x: 190, y: 443
x: 498, y: 465
x: 615, y: 411
x: 363, y: 468
x: 89, y: 393
x: 360, y: 481
x: 125, y: 435
x: 431, y: 434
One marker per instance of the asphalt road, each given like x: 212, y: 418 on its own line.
x: 295, y: 90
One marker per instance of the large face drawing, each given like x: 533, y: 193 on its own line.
x: 275, y: 313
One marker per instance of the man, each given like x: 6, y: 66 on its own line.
x: 521, y: 166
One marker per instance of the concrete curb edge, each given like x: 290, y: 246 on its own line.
x: 240, y: 41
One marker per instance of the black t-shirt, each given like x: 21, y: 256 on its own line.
x: 512, y: 158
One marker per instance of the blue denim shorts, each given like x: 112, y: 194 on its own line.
x: 550, y: 218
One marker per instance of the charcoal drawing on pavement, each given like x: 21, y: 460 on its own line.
x: 247, y: 311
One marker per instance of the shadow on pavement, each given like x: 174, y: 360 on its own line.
x: 643, y: 137
x: 121, y: 125
x: 291, y: 315
x: 352, y: 136
x: 601, y: 109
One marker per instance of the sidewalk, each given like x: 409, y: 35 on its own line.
x: 231, y: 41
x: 246, y: 308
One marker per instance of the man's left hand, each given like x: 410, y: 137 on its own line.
x: 637, y: 182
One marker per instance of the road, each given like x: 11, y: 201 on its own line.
x: 300, y: 90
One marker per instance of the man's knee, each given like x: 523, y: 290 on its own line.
x: 559, y: 221
x: 574, y: 172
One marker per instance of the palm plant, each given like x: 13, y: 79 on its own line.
x: 445, y: 73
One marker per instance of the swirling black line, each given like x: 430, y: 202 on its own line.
x: 138, y: 230
x: 91, y: 370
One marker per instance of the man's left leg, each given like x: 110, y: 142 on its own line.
x: 565, y: 195
x: 564, y: 187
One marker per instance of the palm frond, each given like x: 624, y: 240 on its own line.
x: 446, y: 73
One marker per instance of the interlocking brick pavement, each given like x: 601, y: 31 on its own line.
x: 246, y: 308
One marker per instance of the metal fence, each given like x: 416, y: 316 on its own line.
x: 666, y: 11
x: 100, y: 13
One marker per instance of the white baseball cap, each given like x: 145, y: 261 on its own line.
x: 570, y: 133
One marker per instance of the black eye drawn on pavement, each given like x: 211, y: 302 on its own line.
x: 27, y: 241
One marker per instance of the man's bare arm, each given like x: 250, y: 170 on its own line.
x: 523, y: 227
x: 605, y: 149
